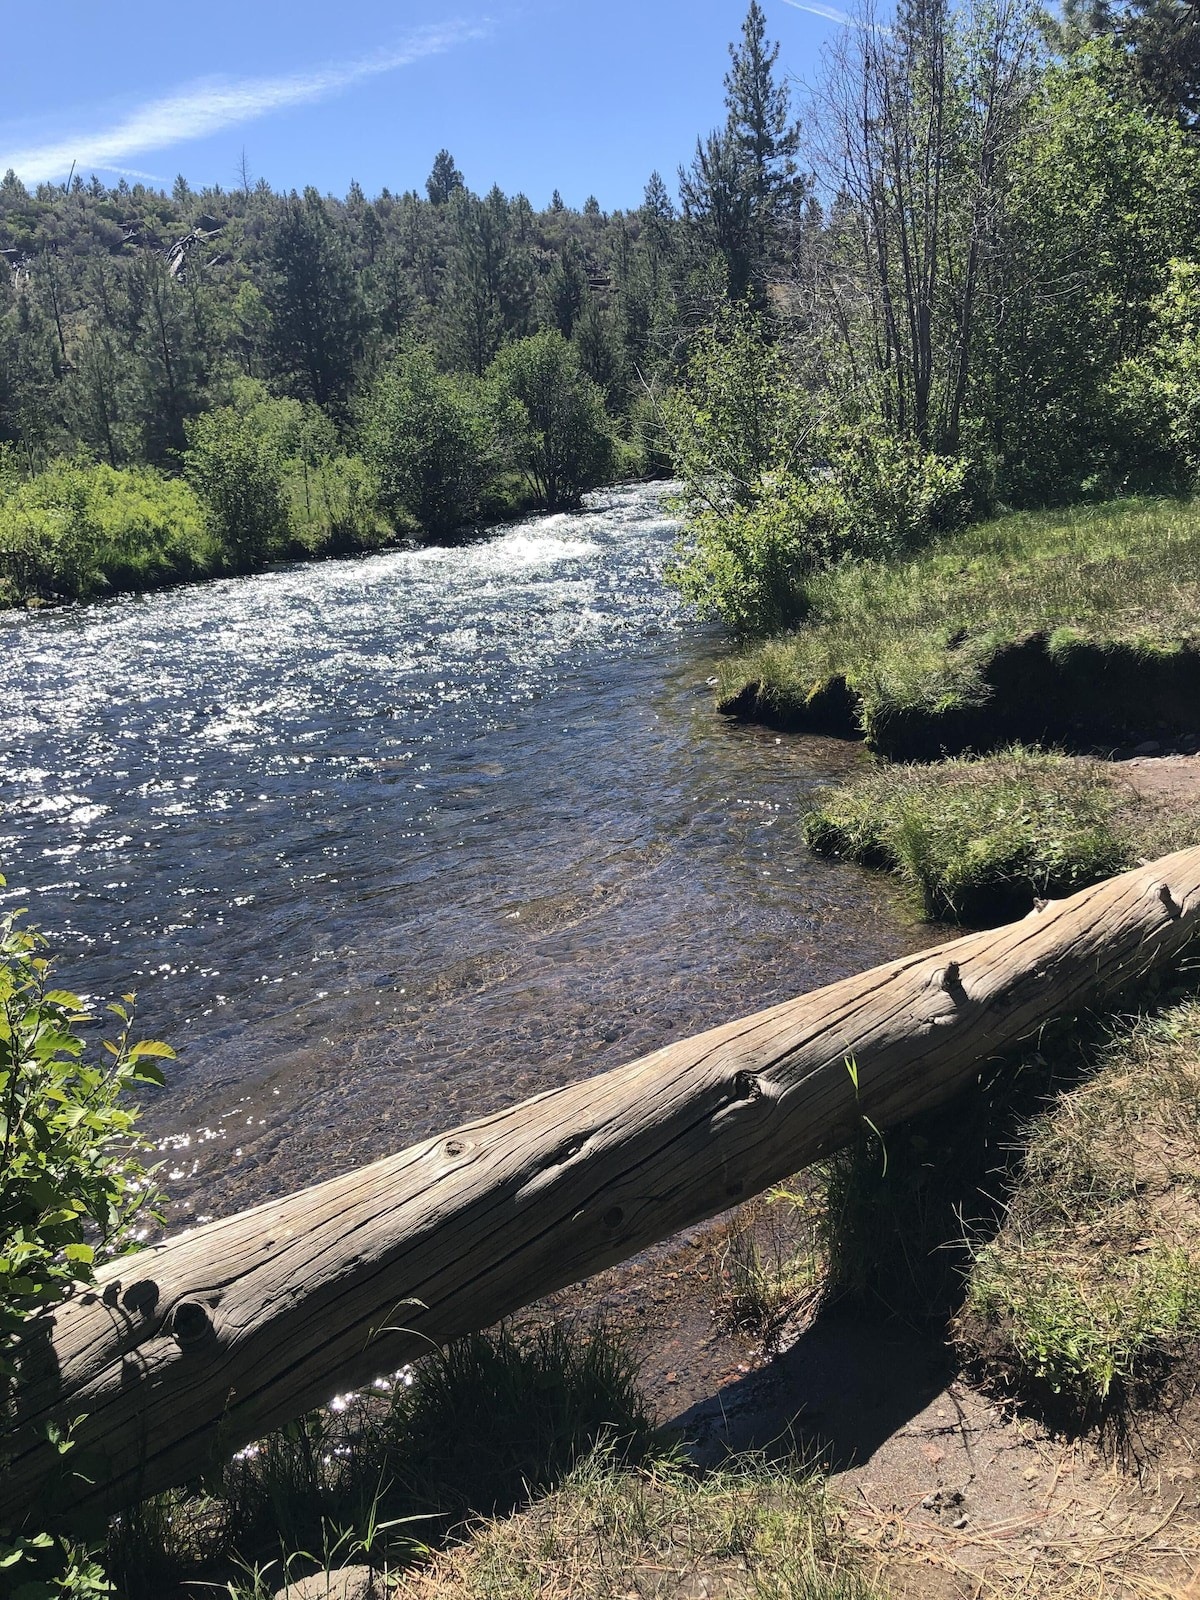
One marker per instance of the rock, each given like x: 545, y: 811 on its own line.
x: 1148, y: 747
x: 345, y: 1583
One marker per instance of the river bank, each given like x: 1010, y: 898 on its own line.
x: 1074, y: 627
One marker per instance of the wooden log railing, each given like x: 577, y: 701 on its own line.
x: 204, y: 1342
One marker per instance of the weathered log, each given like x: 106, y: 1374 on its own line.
x: 204, y: 1342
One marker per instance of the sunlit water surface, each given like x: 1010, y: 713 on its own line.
x: 385, y: 843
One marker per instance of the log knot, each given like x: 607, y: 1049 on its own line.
x: 1162, y: 891
x: 192, y: 1325
x: 949, y: 980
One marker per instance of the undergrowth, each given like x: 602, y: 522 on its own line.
x: 382, y: 1475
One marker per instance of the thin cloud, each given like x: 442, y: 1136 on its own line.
x: 830, y: 13
x: 213, y: 105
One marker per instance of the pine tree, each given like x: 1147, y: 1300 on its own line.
x: 764, y: 137
x: 313, y: 301
x: 444, y: 179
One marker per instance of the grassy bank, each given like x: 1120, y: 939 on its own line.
x: 1077, y: 625
x: 515, y: 1467
x: 978, y: 839
x: 1092, y: 1285
x: 1050, y: 1219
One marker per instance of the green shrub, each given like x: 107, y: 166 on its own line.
x: 237, y: 471
x: 773, y: 491
x: 72, y: 1187
x: 550, y: 418
x: 427, y: 443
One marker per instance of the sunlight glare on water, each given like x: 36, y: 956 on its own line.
x: 383, y: 843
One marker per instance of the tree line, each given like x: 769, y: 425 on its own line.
x: 965, y: 274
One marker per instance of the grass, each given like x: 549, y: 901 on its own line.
x: 1093, y: 1282
x: 474, y: 1430
x: 915, y: 640
x: 752, y: 1531
x: 769, y: 1261
x: 978, y: 839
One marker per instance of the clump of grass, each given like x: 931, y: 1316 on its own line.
x: 1093, y: 1282
x: 769, y: 1260
x: 981, y: 838
x: 751, y: 1531
x: 474, y: 1430
x: 918, y: 633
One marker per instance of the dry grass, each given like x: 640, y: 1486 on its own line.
x: 770, y: 1260
x: 752, y: 1531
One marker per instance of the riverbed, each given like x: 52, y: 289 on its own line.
x: 385, y: 843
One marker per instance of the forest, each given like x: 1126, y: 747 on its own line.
x: 962, y: 273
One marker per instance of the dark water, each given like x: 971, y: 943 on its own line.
x: 382, y: 844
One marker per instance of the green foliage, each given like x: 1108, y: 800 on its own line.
x: 72, y: 1186
x: 427, y: 442
x: 773, y: 493
x: 236, y: 470
x: 1104, y: 195
x: 551, y: 417
x: 979, y: 839
x: 77, y: 530
x: 1156, y: 394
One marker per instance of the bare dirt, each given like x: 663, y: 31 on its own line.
x: 1162, y: 777
x: 955, y: 1494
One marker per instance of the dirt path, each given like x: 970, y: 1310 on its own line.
x: 1162, y: 777
x: 959, y: 1497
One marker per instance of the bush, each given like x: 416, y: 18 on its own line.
x: 1157, y: 394
x: 551, y: 418
x: 236, y: 469
x: 425, y: 438
x: 77, y: 529
x: 71, y: 1185
x: 773, y: 492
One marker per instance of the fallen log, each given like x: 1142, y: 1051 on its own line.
x: 199, y: 1344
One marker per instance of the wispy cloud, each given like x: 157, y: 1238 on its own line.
x: 214, y: 104
x: 830, y: 13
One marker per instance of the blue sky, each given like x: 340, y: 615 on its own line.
x: 530, y: 94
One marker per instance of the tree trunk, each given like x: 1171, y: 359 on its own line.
x: 200, y: 1344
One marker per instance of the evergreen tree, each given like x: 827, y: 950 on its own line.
x: 718, y: 206
x: 760, y: 125
x: 444, y: 180
x: 313, y: 302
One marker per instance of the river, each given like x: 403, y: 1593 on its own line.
x: 384, y: 843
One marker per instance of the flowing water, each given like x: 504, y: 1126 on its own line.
x: 385, y: 843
